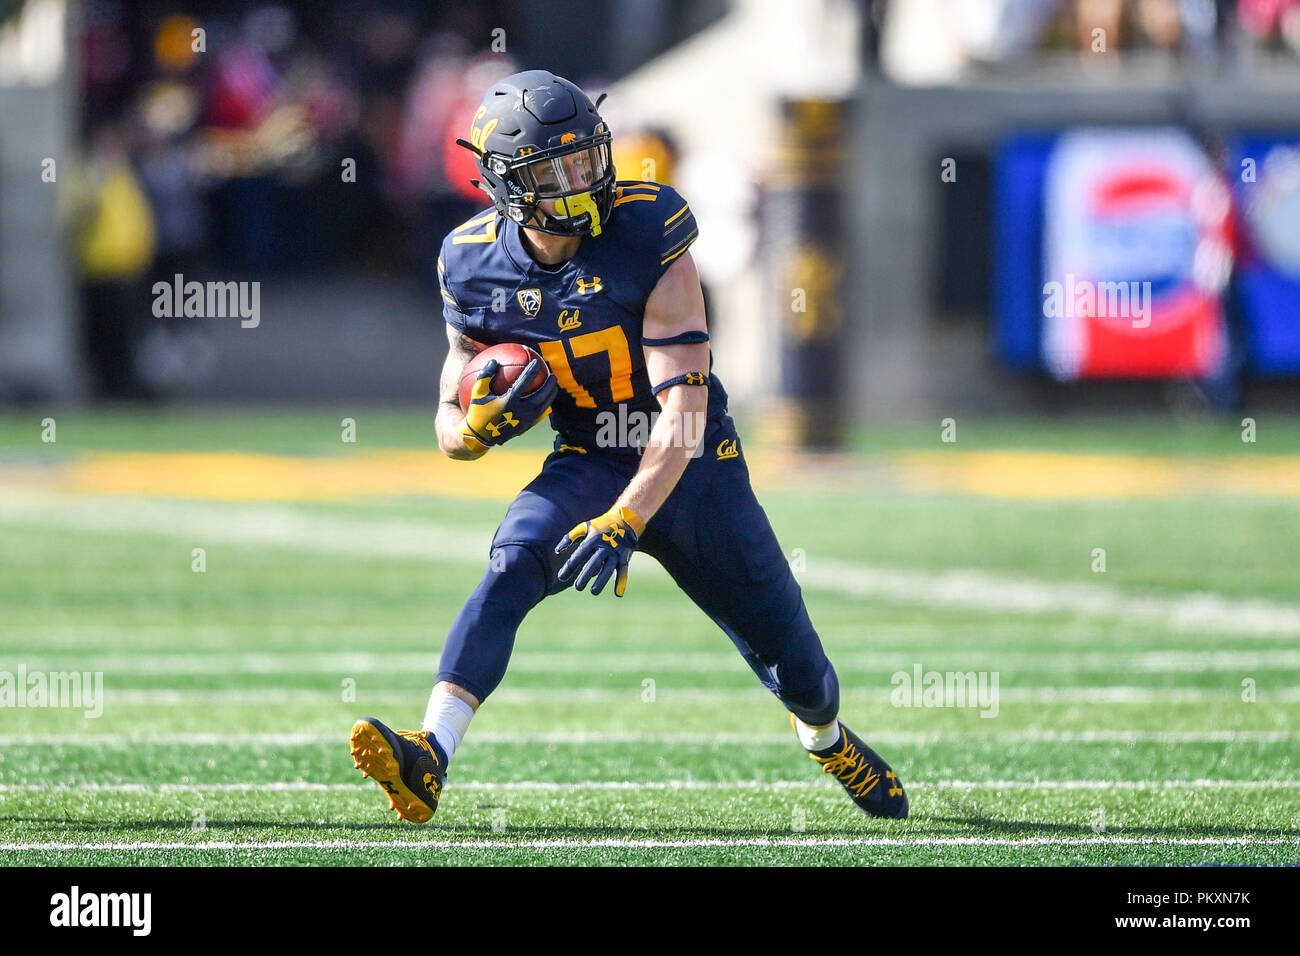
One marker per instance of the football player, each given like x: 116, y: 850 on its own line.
x: 596, y: 275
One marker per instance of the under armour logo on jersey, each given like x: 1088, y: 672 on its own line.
x: 569, y: 322
x: 530, y: 300
x: 588, y: 286
x: 727, y: 449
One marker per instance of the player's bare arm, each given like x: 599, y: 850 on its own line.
x: 675, y: 306
x: 601, y: 547
x: 450, y: 421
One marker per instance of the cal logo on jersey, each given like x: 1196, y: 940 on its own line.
x: 568, y: 320
x: 530, y: 300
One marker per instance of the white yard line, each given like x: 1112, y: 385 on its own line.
x: 651, y: 844
x: 984, y: 591
x: 667, y: 694
x: 201, y: 523
x: 639, y: 662
x: 526, y: 786
x: 243, y: 524
x: 583, y: 738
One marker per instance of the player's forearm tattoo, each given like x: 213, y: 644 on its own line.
x: 462, y: 349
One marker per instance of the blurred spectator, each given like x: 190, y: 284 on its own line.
x: 430, y: 168
x: 105, y: 59
x: 649, y: 154
x: 113, y: 233
x: 941, y: 41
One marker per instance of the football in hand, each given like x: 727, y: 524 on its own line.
x: 511, y: 360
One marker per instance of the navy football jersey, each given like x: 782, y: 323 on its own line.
x: 584, y: 316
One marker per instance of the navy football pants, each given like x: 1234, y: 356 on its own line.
x: 712, y: 537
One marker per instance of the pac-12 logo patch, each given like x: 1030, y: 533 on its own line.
x: 530, y: 300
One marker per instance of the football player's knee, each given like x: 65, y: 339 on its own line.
x: 819, y: 704
x: 479, y: 643
x: 516, y: 574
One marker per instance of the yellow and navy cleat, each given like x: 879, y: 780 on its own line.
x: 408, y: 764
x: 871, y: 784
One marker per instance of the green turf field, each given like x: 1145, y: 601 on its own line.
x: 1149, y: 713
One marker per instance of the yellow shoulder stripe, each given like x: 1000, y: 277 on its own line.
x: 685, y: 244
x: 669, y: 220
x: 622, y: 192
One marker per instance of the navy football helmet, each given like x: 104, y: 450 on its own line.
x: 538, y: 137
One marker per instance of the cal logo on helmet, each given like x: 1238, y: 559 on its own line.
x: 530, y: 300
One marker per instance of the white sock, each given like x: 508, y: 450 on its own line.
x: 817, y: 738
x: 448, y: 718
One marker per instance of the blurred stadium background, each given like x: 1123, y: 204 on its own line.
x: 1102, y: 511
x: 893, y: 160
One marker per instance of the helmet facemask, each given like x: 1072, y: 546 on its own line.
x: 576, y: 179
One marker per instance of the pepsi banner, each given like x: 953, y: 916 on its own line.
x: 1114, y: 250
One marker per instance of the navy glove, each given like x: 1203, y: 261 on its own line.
x: 599, y: 548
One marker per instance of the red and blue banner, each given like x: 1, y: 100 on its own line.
x: 1113, y: 254
x: 1266, y: 175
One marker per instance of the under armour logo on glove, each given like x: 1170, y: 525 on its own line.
x: 506, y: 419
